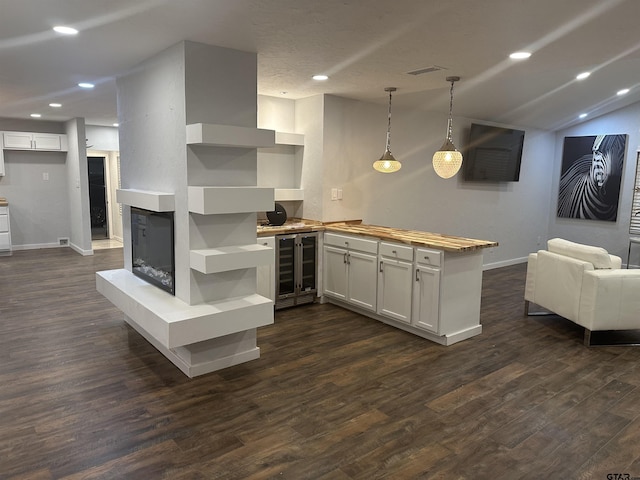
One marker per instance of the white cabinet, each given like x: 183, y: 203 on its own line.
x: 395, y: 279
x: 349, y: 270
x: 5, y: 231
x: 266, y: 275
x: 426, y: 290
x: 34, y: 141
x: 30, y: 141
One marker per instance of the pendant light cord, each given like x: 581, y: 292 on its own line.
x: 389, y: 125
x: 450, y: 122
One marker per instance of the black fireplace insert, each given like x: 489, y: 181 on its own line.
x: 152, y: 247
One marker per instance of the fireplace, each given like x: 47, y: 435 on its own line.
x: 152, y: 247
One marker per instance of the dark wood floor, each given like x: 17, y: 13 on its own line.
x: 333, y: 396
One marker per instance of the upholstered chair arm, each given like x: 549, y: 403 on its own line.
x: 610, y: 300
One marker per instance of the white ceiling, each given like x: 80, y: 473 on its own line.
x: 363, y: 45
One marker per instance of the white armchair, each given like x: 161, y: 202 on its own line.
x: 584, y: 284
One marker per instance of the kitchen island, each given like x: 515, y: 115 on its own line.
x: 425, y: 283
x: 428, y: 284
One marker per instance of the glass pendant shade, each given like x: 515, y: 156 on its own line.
x: 448, y: 160
x: 387, y: 162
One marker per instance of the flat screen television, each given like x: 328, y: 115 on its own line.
x: 493, y: 154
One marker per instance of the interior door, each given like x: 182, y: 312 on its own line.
x: 97, y: 198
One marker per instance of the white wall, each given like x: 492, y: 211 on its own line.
x: 614, y: 236
x: 102, y: 138
x: 40, y: 209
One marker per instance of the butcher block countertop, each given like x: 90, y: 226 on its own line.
x: 294, y: 225
x: 416, y: 238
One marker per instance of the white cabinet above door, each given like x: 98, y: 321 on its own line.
x: 34, y: 141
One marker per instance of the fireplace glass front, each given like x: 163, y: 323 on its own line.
x: 152, y: 247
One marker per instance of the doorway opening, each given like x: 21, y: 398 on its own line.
x: 98, y: 198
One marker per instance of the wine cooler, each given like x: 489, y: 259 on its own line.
x: 296, y: 269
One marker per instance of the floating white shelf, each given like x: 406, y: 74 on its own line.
x: 224, y: 259
x: 154, y: 201
x: 174, y: 323
x: 288, y: 194
x: 218, y: 200
x: 283, y: 138
x: 229, y: 136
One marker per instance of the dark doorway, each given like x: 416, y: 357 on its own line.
x: 97, y: 198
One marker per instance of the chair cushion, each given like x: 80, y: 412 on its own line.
x: 598, y: 256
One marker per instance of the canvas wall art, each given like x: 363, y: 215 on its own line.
x: 590, y: 177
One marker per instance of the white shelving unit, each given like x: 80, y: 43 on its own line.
x: 224, y: 259
x: 288, y: 194
x: 220, y: 200
x: 283, y: 138
x: 154, y: 201
x: 174, y: 323
x: 229, y: 136
x: 287, y: 190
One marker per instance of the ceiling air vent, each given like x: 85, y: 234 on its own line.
x: 422, y: 71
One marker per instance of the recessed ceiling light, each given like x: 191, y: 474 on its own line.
x: 116, y: 124
x: 583, y: 115
x: 36, y: 115
x: 86, y: 85
x: 624, y: 91
x: 65, y: 30
x: 583, y: 75
x: 55, y: 105
x: 320, y: 77
x: 520, y: 55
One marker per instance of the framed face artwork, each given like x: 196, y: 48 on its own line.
x: 590, y: 177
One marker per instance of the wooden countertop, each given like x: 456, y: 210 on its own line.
x: 294, y: 225
x: 416, y: 238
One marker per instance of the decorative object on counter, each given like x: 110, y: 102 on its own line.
x: 278, y: 216
x: 387, y: 163
x: 448, y: 160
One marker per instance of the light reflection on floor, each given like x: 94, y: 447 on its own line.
x: 106, y: 243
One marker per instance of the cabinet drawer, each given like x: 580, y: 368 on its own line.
x: 396, y: 250
x: 4, y: 223
x: 4, y: 210
x: 352, y: 243
x: 427, y: 256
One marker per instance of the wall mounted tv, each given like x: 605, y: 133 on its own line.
x: 493, y: 154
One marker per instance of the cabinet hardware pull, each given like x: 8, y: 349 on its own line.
x: 426, y: 258
x: 381, y: 265
x: 394, y: 252
x: 417, y: 275
x: 344, y: 257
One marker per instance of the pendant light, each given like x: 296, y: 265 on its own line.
x: 448, y: 160
x: 388, y: 164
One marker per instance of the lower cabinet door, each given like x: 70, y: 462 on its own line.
x: 426, y: 297
x: 362, y: 280
x: 394, y: 289
x: 334, y: 272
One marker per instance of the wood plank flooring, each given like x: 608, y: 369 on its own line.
x: 333, y: 396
